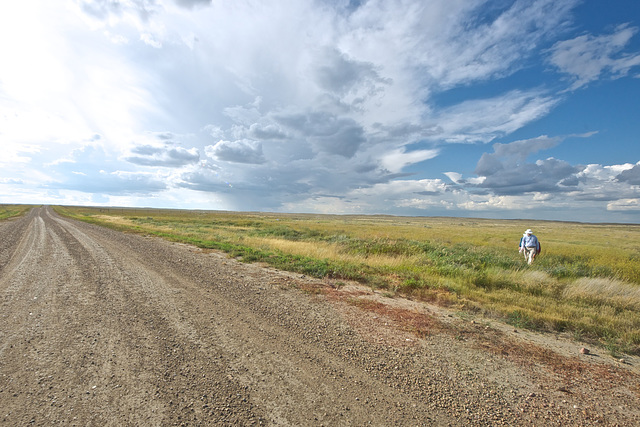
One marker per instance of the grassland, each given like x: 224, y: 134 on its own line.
x: 585, y: 282
x: 9, y: 211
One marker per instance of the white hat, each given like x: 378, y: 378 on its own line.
x: 528, y: 231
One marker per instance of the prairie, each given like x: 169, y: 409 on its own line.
x: 8, y: 211
x: 586, y: 282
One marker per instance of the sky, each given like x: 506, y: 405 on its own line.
x: 501, y: 109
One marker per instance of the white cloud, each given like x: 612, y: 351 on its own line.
x: 587, y: 58
x: 11, y: 181
x: 479, y: 203
x: 624, y: 205
x: 455, y: 42
x: 150, y: 40
x: 605, y: 173
x: 395, y: 161
x: 314, y: 105
x: 454, y: 176
x: 482, y: 120
x: 13, y: 153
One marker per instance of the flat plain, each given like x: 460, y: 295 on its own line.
x: 102, y: 327
x: 586, y: 282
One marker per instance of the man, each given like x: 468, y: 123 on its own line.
x: 529, y: 245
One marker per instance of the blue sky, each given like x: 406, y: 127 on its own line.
x: 497, y: 109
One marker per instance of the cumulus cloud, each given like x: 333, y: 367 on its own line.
x: 243, y: 151
x: 545, y: 176
x: 388, y: 197
x: 506, y: 171
x: 599, y: 183
x: 508, y: 179
x: 630, y: 176
x: 150, y: 155
x: 269, y: 131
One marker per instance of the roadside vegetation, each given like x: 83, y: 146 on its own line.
x: 9, y: 211
x: 586, y: 281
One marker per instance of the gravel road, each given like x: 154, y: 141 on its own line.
x: 104, y: 328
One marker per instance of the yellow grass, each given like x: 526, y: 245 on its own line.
x: 323, y: 250
x: 605, y: 291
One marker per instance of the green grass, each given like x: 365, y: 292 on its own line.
x: 586, y: 281
x: 10, y: 211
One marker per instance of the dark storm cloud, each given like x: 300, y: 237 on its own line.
x: 242, y: 151
x: 326, y: 132
x: 344, y: 142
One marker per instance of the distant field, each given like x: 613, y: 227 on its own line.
x: 8, y: 211
x: 586, y: 282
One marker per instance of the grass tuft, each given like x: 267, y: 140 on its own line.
x: 604, y: 291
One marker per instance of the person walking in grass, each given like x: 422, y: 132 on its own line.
x: 530, y: 246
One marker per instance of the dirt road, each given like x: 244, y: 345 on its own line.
x: 102, y: 328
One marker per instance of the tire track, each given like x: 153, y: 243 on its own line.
x: 98, y: 351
